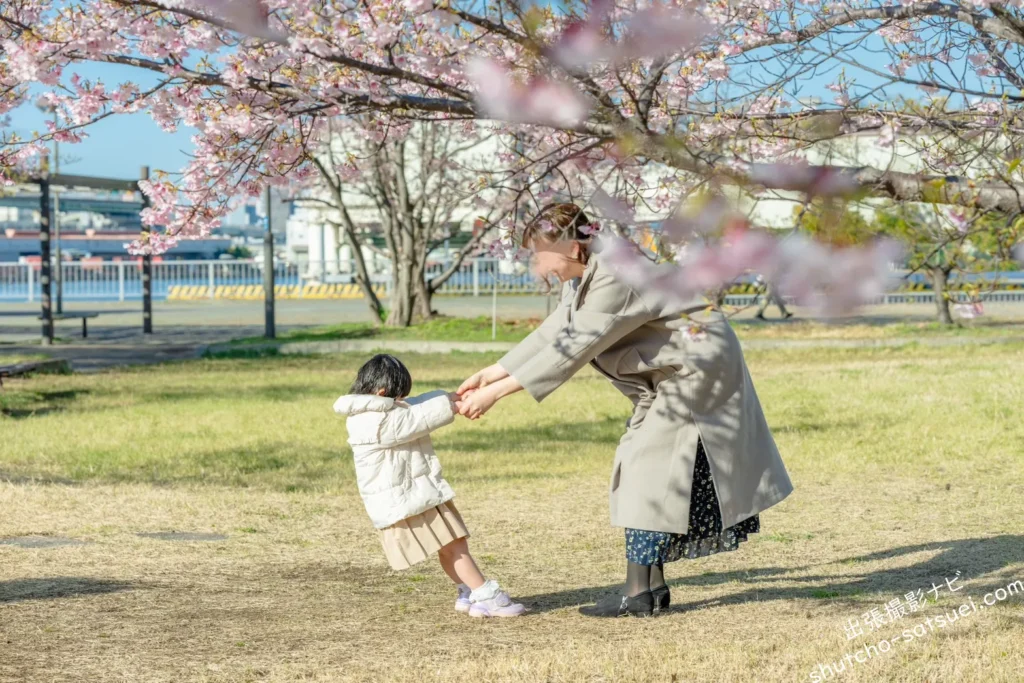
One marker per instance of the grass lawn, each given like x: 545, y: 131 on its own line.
x: 16, y: 358
x: 439, y: 329
x: 479, y: 330
x: 906, y: 464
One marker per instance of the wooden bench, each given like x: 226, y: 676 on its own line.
x: 52, y: 365
x: 84, y: 315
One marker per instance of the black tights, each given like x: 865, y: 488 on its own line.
x: 642, y: 577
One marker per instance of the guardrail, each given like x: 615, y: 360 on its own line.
x: 243, y: 279
x: 122, y: 281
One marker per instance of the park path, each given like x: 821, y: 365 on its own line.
x: 184, y: 331
x: 189, y: 344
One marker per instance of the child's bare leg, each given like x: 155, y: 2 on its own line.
x: 459, y: 565
x: 449, y: 569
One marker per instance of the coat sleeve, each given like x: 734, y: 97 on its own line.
x: 610, y: 310
x: 424, y: 414
x: 527, y: 349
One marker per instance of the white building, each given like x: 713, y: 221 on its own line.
x: 314, y: 238
x: 776, y: 209
x: 311, y: 238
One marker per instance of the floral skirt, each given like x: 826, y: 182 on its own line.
x: 705, y: 535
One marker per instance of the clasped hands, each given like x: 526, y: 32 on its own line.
x: 476, y: 395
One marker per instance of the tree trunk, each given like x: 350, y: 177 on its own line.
x: 410, y: 296
x: 424, y: 298
x: 403, y: 293
x: 939, y: 277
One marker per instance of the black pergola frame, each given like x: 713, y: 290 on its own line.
x: 45, y: 181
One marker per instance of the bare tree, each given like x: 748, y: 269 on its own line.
x: 420, y: 188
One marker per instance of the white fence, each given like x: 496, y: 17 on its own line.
x: 122, y: 281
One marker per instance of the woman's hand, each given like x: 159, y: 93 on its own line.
x: 478, y: 401
x: 489, y: 375
x: 475, y: 403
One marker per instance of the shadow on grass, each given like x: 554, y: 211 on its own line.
x: 798, y: 427
x: 288, y: 466
x: 19, y: 590
x: 606, y: 431
x: 974, y: 558
x: 23, y: 404
x: 275, y: 392
x: 11, y: 478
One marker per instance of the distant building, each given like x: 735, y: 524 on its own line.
x: 24, y: 246
x: 93, y: 224
x: 255, y: 211
x: 79, y: 210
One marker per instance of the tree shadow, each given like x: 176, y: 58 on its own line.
x: 27, y: 404
x: 977, y: 560
x: 19, y: 590
x: 607, y: 431
x: 11, y: 478
x: 276, y: 392
x: 805, y: 427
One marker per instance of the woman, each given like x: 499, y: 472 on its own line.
x: 697, y: 462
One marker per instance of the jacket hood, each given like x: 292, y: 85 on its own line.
x: 353, y: 404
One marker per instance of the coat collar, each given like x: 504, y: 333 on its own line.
x: 353, y: 404
x: 582, y: 283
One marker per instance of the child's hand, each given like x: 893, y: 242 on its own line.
x: 476, y: 405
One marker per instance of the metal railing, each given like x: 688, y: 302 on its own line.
x: 122, y: 281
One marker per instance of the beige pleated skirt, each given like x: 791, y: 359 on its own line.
x: 418, y: 537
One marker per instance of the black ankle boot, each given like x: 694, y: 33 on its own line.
x: 662, y: 598
x: 641, y: 605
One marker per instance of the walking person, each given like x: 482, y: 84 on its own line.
x: 769, y: 295
x: 697, y: 463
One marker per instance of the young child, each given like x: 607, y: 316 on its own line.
x: 401, y: 485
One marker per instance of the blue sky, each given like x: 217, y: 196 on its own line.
x: 117, y: 146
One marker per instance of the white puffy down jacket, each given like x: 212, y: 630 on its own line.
x: 398, y: 473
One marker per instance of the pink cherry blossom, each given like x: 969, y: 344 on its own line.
x: 717, y: 70
x: 974, y: 309
x: 594, y: 95
x: 541, y: 100
x: 682, y: 226
x: 887, y: 135
x: 648, y: 34
x: 247, y: 16
x: 612, y: 208
x: 418, y: 6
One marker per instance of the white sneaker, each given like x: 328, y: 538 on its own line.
x: 490, y: 601
x: 462, y: 602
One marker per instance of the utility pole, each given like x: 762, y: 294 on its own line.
x: 44, y: 244
x: 268, y: 270
x: 59, y: 273
x: 58, y: 278
x: 147, y: 268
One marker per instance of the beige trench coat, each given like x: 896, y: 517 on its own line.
x: 683, y: 387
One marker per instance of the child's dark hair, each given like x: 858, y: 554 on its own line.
x: 383, y: 372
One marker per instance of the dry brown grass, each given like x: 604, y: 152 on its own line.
x: 898, y: 485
